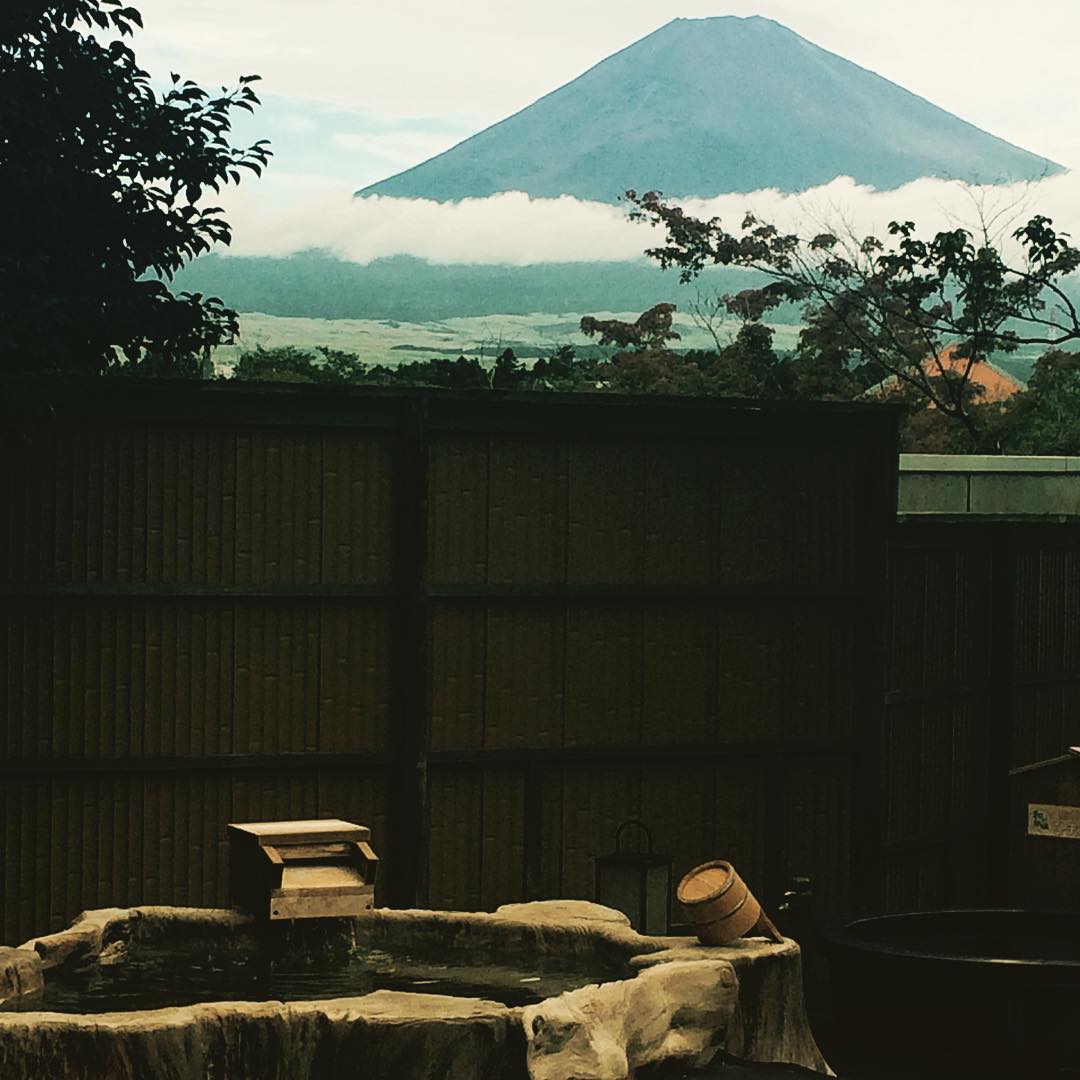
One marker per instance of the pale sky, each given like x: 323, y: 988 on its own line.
x: 354, y: 91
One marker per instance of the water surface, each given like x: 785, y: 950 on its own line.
x: 165, y: 982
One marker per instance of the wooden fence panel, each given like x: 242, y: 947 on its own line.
x: 525, y: 677
x: 527, y: 509
x: 603, y: 677
x: 984, y: 675
x: 491, y: 629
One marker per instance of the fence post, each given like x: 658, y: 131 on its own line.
x: 1002, y: 667
x: 407, y: 825
x: 871, y: 659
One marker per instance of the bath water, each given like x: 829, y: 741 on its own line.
x: 168, y: 981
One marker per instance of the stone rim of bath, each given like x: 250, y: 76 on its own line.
x: 768, y: 1020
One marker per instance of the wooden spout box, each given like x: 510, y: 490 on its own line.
x: 302, y: 869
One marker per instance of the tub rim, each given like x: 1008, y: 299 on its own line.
x: 839, y: 936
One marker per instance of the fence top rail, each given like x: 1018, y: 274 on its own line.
x: 970, y: 530
x: 112, y: 400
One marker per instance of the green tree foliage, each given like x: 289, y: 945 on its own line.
x: 650, y: 331
x: 746, y: 367
x: 564, y: 370
x: 827, y: 366
x: 895, y: 304
x: 102, y: 177
x: 283, y: 364
x: 1045, y: 418
x: 750, y: 367
x: 334, y: 367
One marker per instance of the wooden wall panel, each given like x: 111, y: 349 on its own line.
x: 458, y: 495
x: 596, y: 799
x: 277, y: 683
x: 1045, y: 720
x: 15, y: 806
x: 678, y: 805
x: 355, y: 707
x: 681, y: 513
x: 783, y: 674
x: 115, y: 841
x: 818, y: 793
x: 455, y: 839
x: 525, y: 676
x: 551, y: 828
x: 125, y: 505
x: 230, y: 591
x: 502, y: 856
x: 740, y: 815
x: 678, y: 674
x: 113, y: 678
x: 790, y: 518
x: 527, y: 517
x: 606, y: 526
x: 458, y: 638
x: 349, y: 530
x: 983, y: 675
x: 603, y: 677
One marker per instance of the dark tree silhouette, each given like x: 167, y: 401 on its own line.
x: 651, y: 330
x: 101, y: 178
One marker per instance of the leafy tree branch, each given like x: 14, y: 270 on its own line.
x: 898, y: 303
x: 103, y: 178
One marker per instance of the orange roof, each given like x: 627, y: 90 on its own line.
x: 995, y: 384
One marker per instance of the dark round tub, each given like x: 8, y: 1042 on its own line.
x: 956, y: 994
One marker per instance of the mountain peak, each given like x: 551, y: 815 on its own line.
x: 701, y: 107
x: 728, y: 21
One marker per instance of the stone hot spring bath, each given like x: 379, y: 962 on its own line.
x: 544, y: 990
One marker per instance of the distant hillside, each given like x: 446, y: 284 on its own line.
x: 317, y: 285
x: 706, y: 106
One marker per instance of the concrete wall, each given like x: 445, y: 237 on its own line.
x: 989, y: 485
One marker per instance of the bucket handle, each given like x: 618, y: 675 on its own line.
x: 641, y: 825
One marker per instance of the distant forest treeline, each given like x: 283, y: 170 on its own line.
x: 316, y: 284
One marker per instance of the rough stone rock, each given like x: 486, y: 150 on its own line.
x: 603, y: 945
x: 82, y: 938
x: 561, y: 911
x: 21, y: 979
x: 675, y: 1011
x: 218, y: 936
x: 770, y: 1022
x: 382, y: 1036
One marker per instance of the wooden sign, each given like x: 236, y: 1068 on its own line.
x: 1061, y: 822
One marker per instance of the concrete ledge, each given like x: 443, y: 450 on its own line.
x: 1011, y: 493
x: 933, y: 493
x: 989, y: 486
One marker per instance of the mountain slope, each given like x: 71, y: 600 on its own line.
x: 706, y: 106
x: 318, y: 285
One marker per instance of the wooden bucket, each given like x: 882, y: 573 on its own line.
x: 720, y: 906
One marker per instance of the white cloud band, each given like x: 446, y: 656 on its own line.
x: 284, y: 214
